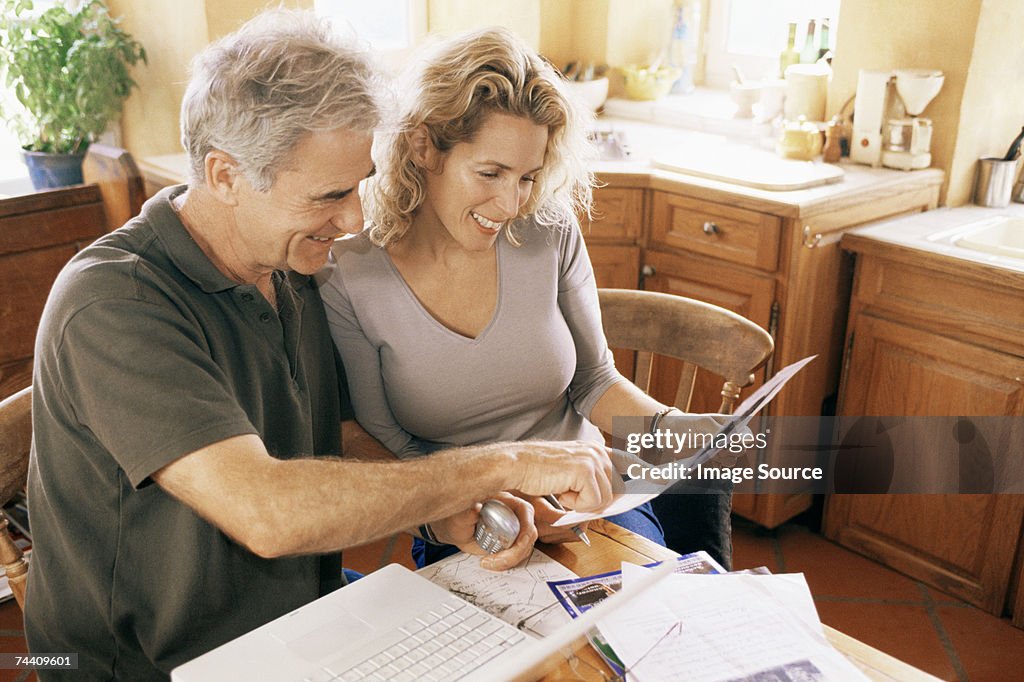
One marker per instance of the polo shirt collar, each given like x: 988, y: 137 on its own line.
x: 186, y: 254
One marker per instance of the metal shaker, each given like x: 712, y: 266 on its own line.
x: 497, y: 528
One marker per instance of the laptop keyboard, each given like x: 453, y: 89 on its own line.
x: 443, y: 643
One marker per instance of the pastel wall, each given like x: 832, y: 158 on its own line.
x: 454, y: 16
x: 975, y: 43
x: 172, y: 33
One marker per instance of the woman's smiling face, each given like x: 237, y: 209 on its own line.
x: 478, y: 186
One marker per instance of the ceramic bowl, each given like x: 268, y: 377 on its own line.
x: 644, y: 83
x: 590, y: 94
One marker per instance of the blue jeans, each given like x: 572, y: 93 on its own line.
x: 350, y: 575
x: 641, y: 521
x: 697, y: 516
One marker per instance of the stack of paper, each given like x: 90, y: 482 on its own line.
x: 724, y: 628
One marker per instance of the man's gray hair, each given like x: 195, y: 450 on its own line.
x: 254, y: 93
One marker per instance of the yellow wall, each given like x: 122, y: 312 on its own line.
x: 976, y: 43
x: 453, y: 16
x: 172, y: 33
x: 880, y: 34
x: 992, y: 107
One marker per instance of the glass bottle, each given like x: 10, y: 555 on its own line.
x: 809, y: 54
x: 682, y: 47
x: 790, y: 55
x: 823, y: 48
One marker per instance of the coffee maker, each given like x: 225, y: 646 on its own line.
x: 868, y: 114
x: 902, y: 143
x: 908, y: 140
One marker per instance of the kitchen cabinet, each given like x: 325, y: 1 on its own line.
x: 39, y: 233
x: 613, y: 242
x: 774, y: 258
x: 932, y: 335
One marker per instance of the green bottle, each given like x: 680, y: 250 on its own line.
x: 823, y: 48
x: 809, y: 54
x: 790, y: 55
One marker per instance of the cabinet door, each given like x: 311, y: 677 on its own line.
x: 895, y: 368
x: 617, y: 267
x: 750, y: 295
x: 617, y: 215
x: 961, y: 544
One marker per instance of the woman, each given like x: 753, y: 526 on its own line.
x: 468, y: 312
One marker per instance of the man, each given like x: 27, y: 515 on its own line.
x: 186, y: 388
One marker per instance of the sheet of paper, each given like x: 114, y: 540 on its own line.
x: 638, y: 491
x: 724, y: 628
x: 519, y: 596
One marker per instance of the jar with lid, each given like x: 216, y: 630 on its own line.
x: 800, y: 140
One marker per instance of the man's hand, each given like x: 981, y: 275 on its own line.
x: 544, y: 515
x: 459, y: 530
x: 579, y: 473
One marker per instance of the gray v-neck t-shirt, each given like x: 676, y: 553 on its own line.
x: 535, y: 371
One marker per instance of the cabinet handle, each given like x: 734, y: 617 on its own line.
x: 648, y: 271
x: 809, y: 241
x: 710, y: 228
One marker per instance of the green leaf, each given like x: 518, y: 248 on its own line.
x: 69, y: 70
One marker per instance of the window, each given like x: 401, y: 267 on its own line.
x: 392, y: 28
x: 750, y: 35
x: 13, y: 173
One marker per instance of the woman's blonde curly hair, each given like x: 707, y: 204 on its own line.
x: 455, y: 87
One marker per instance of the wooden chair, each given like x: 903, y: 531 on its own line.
x: 699, y: 334
x: 113, y: 170
x: 704, y: 336
x: 15, y: 443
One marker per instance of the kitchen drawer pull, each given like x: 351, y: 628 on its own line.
x: 710, y: 228
x: 809, y: 241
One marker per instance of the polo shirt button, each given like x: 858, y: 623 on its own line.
x: 246, y: 297
x: 264, y: 317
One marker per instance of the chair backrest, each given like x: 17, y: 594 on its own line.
x: 699, y: 334
x: 113, y: 170
x: 15, y: 444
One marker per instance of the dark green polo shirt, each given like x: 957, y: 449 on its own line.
x: 146, y: 353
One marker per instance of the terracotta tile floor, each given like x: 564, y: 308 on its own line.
x: 880, y: 607
x: 915, y: 623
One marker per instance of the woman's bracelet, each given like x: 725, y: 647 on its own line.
x: 659, y: 415
x: 427, y: 534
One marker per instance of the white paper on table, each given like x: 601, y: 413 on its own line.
x: 515, y: 595
x: 638, y: 491
x: 729, y: 627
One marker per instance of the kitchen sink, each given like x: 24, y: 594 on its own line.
x: 1001, y: 235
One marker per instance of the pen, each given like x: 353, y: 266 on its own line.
x: 580, y: 533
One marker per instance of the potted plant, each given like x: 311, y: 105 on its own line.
x: 68, y: 69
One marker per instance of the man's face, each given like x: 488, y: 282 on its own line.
x: 314, y: 199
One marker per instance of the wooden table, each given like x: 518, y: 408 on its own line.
x: 611, y: 545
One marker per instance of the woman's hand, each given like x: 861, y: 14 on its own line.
x: 545, y: 514
x: 459, y: 530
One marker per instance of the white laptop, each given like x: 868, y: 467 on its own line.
x: 395, y: 625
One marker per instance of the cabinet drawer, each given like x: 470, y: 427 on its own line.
x: 618, y: 214
x: 733, y: 234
